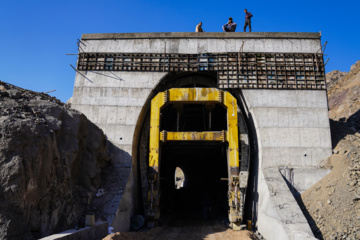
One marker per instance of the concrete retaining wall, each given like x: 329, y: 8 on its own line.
x: 293, y: 131
x: 292, y: 125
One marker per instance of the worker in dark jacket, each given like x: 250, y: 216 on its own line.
x: 248, y: 17
x: 230, y: 26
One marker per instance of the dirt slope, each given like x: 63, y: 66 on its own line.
x: 333, y: 203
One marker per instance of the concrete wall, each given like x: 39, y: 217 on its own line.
x: 293, y: 131
x: 292, y: 126
x: 113, y: 101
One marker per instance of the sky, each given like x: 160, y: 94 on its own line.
x: 36, y: 35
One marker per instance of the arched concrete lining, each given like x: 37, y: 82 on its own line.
x: 168, y: 81
x: 131, y: 202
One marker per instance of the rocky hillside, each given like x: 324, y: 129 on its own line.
x: 51, y: 159
x: 333, y: 204
x: 343, y: 93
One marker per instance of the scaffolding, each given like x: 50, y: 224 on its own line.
x: 234, y: 69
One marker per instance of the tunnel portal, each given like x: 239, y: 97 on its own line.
x: 278, y: 80
x: 195, y: 134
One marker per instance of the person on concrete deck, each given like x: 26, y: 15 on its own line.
x: 248, y: 17
x: 230, y: 26
x: 199, y: 28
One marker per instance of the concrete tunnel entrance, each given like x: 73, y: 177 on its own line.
x: 205, y: 165
x: 278, y: 80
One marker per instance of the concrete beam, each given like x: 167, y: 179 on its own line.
x: 207, y: 35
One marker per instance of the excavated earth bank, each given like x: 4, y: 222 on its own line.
x: 51, y: 159
x: 333, y: 204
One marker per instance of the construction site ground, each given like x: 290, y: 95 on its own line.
x: 191, y: 230
x: 179, y: 224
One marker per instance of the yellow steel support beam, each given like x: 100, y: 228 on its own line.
x: 194, y: 95
x: 232, y: 134
x: 156, y: 104
x: 193, y: 136
x: 184, y: 95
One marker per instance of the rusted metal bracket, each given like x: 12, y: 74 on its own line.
x: 322, y: 48
x: 219, y: 136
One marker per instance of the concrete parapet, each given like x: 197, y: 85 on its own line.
x: 96, y: 232
x: 280, y: 217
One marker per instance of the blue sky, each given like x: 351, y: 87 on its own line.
x: 36, y: 35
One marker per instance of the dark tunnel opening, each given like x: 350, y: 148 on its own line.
x: 202, y: 195
x: 200, y: 192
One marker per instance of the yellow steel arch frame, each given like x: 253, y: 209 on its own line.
x: 193, y: 95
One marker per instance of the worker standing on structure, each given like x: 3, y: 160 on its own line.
x: 199, y: 28
x: 248, y: 17
x: 230, y: 26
